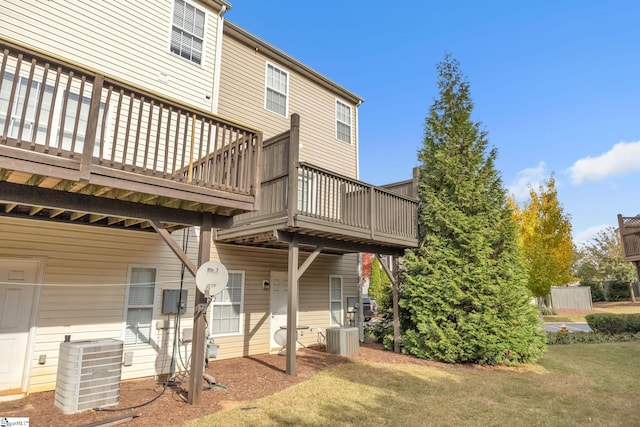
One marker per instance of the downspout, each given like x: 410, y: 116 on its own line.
x: 357, y: 139
x: 216, y: 66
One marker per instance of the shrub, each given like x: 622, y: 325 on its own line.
x: 617, y: 291
x: 597, y: 291
x: 554, y: 338
x: 609, y: 323
x: 548, y: 311
x: 379, y: 329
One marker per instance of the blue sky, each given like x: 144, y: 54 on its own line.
x: 555, y: 83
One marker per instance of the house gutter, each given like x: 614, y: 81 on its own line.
x: 357, y: 124
x: 216, y: 67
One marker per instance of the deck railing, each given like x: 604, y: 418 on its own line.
x: 56, y: 108
x: 630, y: 235
x: 327, y: 197
x: 337, y: 199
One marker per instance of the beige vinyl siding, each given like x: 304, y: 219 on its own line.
x: 125, y: 39
x: 84, y: 287
x: 313, y: 294
x: 242, y: 97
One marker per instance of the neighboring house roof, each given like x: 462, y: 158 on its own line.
x: 276, y: 54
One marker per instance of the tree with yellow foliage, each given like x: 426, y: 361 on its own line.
x: 545, y: 239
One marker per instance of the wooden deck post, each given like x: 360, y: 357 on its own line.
x: 199, y: 322
x: 292, y: 186
x: 92, y: 126
x: 292, y: 306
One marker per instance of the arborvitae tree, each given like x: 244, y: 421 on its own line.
x: 464, y: 289
x: 380, y: 287
x: 545, y: 240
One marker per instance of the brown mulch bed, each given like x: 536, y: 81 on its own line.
x: 244, y: 379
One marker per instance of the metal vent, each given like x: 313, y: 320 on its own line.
x: 88, y: 375
x: 343, y: 341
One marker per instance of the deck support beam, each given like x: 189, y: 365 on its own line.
x: 199, y: 322
x: 292, y: 307
x: 166, y: 236
x: 293, y: 276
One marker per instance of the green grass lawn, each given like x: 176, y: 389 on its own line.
x: 579, y: 384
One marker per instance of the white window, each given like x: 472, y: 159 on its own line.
x: 187, y: 31
x: 141, y: 292
x: 226, y: 311
x: 343, y: 122
x: 15, y: 114
x: 335, y: 300
x: 277, y: 89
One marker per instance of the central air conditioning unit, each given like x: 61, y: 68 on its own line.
x: 343, y: 341
x: 88, y: 375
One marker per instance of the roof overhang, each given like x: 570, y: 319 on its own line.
x: 275, y: 54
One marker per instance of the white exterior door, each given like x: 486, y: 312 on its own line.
x: 17, y: 291
x: 278, y: 288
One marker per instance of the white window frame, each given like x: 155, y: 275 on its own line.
x: 339, y: 122
x: 152, y: 306
x: 216, y: 303
x: 204, y: 34
x: 267, y: 88
x: 13, y: 114
x: 332, y: 301
x: 31, y: 134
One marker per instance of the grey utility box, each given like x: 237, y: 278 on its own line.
x: 343, y: 341
x: 174, y: 301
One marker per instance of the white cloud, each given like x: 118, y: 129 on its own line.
x: 530, y: 177
x: 584, y: 236
x: 623, y: 158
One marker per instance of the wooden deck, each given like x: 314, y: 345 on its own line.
x: 630, y: 235
x: 80, y: 146
x: 335, y: 212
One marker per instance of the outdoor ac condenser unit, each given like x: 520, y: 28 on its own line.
x: 88, y: 375
x: 343, y: 341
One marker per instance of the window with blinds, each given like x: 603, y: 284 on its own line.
x: 343, y: 122
x: 335, y: 300
x: 226, y: 311
x: 277, y: 89
x: 140, y: 301
x: 187, y: 31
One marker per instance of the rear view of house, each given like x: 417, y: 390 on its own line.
x: 136, y: 144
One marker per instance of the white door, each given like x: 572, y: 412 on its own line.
x: 17, y: 291
x: 278, y: 288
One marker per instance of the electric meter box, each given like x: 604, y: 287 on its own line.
x: 174, y: 301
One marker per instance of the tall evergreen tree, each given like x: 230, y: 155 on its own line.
x: 464, y: 289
